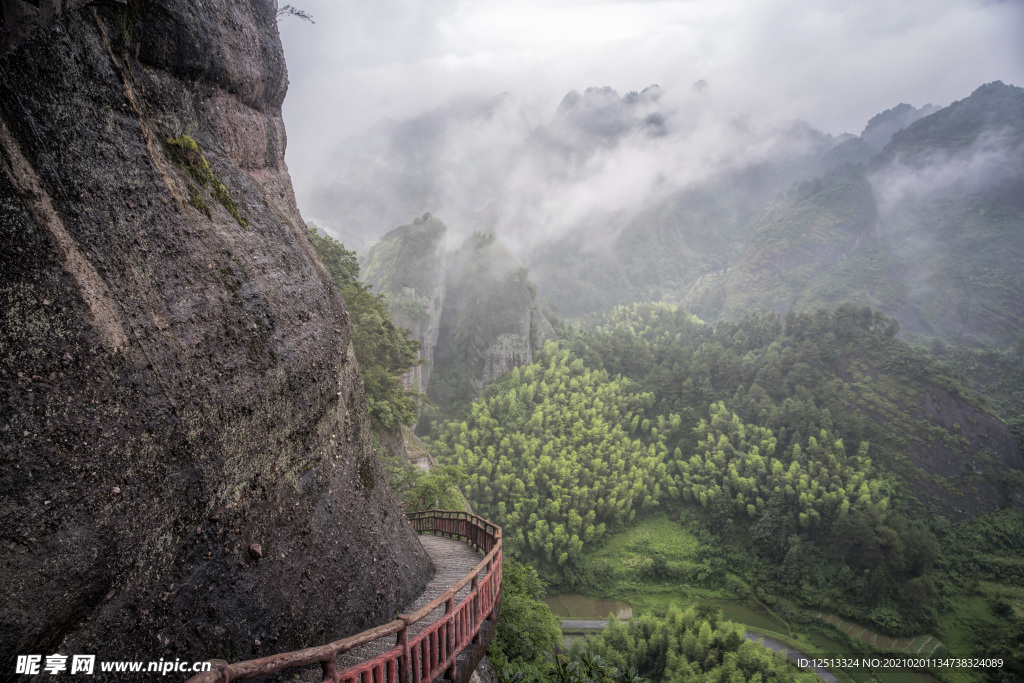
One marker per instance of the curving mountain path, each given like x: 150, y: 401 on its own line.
x: 445, y: 633
x: 453, y: 560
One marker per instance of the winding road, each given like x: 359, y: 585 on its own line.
x: 792, y: 654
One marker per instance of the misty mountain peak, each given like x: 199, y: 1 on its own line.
x: 572, y: 100
x: 993, y: 113
x: 882, y: 127
x: 601, y: 112
x: 651, y: 93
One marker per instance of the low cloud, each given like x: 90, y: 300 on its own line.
x: 522, y: 169
x: 531, y: 176
x: 994, y: 157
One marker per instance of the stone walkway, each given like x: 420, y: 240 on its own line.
x: 453, y: 560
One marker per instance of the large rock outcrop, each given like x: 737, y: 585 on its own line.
x: 474, y: 311
x: 491, y: 322
x: 407, y: 266
x: 186, y: 467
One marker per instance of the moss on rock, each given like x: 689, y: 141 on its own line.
x: 184, y: 151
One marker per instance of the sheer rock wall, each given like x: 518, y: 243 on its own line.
x: 186, y: 467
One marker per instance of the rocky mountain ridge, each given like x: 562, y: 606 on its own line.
x: 408, y: 266
x: 474, y: 310
x: 941, y: 242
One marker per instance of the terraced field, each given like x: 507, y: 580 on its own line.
x: 923, y: 645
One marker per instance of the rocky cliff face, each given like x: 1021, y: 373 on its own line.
x: 491, y: 320
x: 20, y: 20
x: 407, y: 266
x: 185, y: 463
x: 474, y: 310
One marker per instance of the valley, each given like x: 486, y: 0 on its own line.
x: 791, y: 435
x: 752, y: 388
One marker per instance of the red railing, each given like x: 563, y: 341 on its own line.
x: 417, y: 659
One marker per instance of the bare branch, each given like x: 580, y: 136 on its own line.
x: 290, y: 11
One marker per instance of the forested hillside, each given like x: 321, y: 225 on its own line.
x: 821, y: 444
x: 929, y: 231
x: 384, y: 350
x: 690, y: 645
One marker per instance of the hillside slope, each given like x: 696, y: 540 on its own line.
x: 930, y: 230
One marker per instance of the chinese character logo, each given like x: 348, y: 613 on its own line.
x: 28, y: 664
x: 83, y: 664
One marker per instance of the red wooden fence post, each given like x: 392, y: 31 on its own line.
x: 449, y: 645
x: 330, y: 673
x: 404, y: 660
x: 474, y: 590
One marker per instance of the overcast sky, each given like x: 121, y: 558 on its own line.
x: 833, y: 63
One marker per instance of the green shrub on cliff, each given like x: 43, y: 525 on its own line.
x: 185, y: 152
x: 385, y: 352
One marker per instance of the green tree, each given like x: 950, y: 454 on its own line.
x: 527, y: 632
x: 385, y: 352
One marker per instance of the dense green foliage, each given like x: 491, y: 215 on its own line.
x: 385, y: 352
x: 437, y: 489
x: 774, y: 406
x: 553, y: 454
x: 766, y: 429
x: 981, y: 582
x: 691, y: 645
x: 734, y: 469
x: 839, y: 371
x: 526, y: 632
x: 808, y: 509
